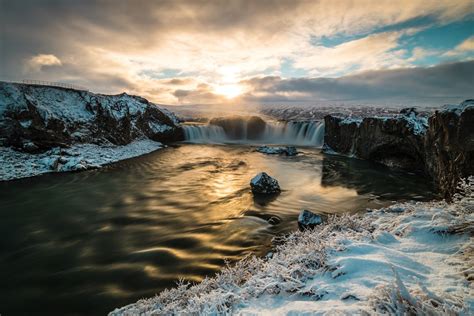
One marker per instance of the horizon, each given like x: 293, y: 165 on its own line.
x: 245, y: 52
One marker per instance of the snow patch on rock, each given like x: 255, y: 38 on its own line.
x: 458, y: 108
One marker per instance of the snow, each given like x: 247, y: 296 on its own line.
x: 418, y: 124
x: 418, y: 261
x: 72, y: 107
x: 159, y: 128
x: 78, y: 157
x: 349, y: 120
x: 458, y: 108
x: 255, y: 180
x: 25, y: 124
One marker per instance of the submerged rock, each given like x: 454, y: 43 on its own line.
x: 308, y: 220
x: 262, y: 183
x: 288, y: 150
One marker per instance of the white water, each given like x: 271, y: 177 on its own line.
x: 281, y: 133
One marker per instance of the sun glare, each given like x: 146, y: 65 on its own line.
x: 230, y: 91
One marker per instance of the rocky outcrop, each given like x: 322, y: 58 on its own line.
x: 308, y: 220
x: 394, y: 141
x: 262, y: 183
x: 287, y: 151
x: 449, y: 146
x: 440, y: 146
x: 38, y: 118
x: 241, y: 127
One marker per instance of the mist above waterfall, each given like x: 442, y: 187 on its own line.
x: 255, y: 130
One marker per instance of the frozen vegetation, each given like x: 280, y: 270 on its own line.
x: 409, y: 258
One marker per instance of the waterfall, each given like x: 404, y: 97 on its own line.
x: 204, y: 134
x: 309, y: 133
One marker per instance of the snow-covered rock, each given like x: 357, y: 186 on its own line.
x: 309, y: 220
x: 262, y: 183
x: 288, y: 150
x: 37, y: 118
x: 78, y: 157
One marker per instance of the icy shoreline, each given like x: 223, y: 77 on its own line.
x: 407, y: 258
x: 17, y: 165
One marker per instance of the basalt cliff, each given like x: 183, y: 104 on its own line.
x: 440, y: 146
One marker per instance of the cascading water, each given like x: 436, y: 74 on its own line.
x: 282, y: 133
x: 204, y: 134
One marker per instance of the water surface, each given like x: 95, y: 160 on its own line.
x: 85, y: 243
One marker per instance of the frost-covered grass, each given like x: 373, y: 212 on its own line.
x: 410, y: 258
x: 15, y: 164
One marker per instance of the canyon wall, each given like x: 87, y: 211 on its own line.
x: 440, y: 146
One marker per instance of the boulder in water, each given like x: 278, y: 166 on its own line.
x: 308, y: 220
x: 262, y: 183
x: 288, y: 151
x: 291, y: 151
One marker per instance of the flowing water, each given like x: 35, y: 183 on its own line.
x: 284, y: 133
x: 85, y: 243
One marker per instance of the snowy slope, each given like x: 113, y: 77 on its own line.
x: 16, y: 164
x: 409, y: 258
x: 37, y: 118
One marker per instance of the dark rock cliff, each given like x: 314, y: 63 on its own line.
x: 440, y: 146
x: 237, y: 127
x: 449, y: 146
x: 37, y: 118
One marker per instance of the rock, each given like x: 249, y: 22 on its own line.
x: 449, y: 146
x: 262, y: 183
x: 48, y: 117
x: 388, y: 140
x: 29, y: 147
x: 441, y: 147
x: 288, y: 151
x: 241, y: 127
x: 308, y: 220
x: 409, y: 111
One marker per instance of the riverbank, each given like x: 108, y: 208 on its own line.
x: 407, y: 258
x: 79, y: 157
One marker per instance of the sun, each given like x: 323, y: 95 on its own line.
x: 229, y: 91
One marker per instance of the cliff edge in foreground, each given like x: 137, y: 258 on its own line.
x: 441, y: 146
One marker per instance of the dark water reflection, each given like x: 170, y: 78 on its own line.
x: 84, y: 243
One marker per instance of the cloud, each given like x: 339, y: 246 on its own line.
x: 43, y: 60
x: 467, y: 46
x: 114, y: 46
x: 447, y: 80
x: 371, y: 52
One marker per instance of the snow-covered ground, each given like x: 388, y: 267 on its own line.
x: 15, y: 164
x: 410, y: 258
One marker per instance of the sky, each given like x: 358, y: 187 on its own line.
x: 225, y: 52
